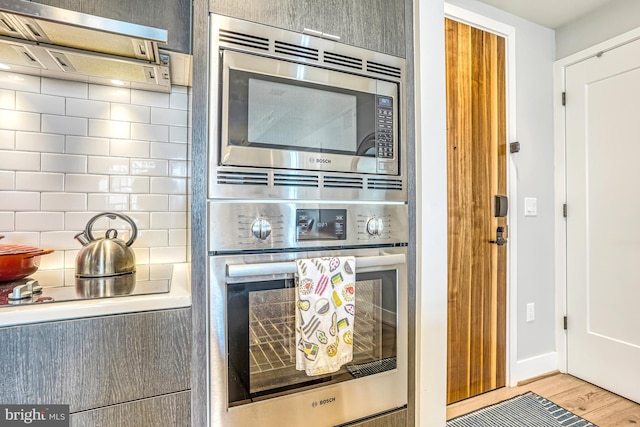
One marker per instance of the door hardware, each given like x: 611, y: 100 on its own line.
x: 500, y: 240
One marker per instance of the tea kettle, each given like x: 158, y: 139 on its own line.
x: 107, y: 256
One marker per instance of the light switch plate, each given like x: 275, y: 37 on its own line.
x: 530, y: 206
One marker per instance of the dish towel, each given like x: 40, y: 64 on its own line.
x: 325, y: 310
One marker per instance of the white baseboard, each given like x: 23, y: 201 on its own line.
x: 533, y: 367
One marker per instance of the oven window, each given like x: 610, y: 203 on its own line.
x: 271, y: 112
x: 261, y: 331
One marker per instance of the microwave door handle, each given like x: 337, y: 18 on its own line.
x: 271, y: 268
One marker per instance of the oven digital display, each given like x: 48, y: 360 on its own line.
x: 321, y: 224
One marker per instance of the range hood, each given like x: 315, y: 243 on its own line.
x: 48, y: 41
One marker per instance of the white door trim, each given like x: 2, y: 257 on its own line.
x: 560, y: 181
x: 509, y: 34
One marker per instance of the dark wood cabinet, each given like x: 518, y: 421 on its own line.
x: 396, y: 418
x: 171, y: 15
x: 100, y: 362
x: 373, y: 24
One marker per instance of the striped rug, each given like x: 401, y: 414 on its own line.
x: 527, y: 410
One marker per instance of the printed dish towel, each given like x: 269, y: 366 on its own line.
x: 325, y: 312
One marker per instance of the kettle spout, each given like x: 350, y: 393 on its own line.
x: 82, y: 238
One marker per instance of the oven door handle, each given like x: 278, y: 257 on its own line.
x: 269, y: 268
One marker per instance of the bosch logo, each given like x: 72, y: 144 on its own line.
x: 314, y: 160
x: 326, y: 401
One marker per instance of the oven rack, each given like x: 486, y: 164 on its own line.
x: 272, y: 342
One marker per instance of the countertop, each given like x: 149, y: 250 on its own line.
x: 178, y: 296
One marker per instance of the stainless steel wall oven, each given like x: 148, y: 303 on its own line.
x: 306, y: 162
x: 252, y: 299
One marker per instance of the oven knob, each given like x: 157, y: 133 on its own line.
x: 375, y: 226
x: 261, y: 228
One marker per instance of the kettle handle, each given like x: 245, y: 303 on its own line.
x: 112, y: 215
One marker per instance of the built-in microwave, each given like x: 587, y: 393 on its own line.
x: 295, y: 105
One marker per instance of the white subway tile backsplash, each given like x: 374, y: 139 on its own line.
x: 19, y: 120
x: 178, y: 168
x: 109, y: 165
x: 168, y: 255
x: 150, y: 99
x: 64, y: 125
x: 19, y: 160
x: 149, y: 167
x: 168, y: 185
x: 52, y: 261
x: 128, y: 148
x: 179, y: 100
x: 21, y: 82
x: 63, y: 202
x: 149, y: 132
x: 142, y: 271
x: 108, y: 202
x: 169, y: 117
x: 39, y: 142
x: 177, y: 203
x: 39, y: 181
x: 75, y: 183
x: 142, y: 257
x: 49, y: 278
x: 7, y: 99
x: 7, y: 180
x: 149, y: 238
x: 39, y: 221
x: 86, y: 145
x: 149, y: 203
x: 7, y: 139
x: 129, y: 184
x: 88, y: 108
x: 161, y: 150
x: 17, y: 201
x: 110, y: 129
x: 22, y: 238
x: 77, y: 221
x: 141, y: 219
x: 67, y: 163
x: 160, y: 271
x: 109, y: 93
x: 70, y: 257
x: 38, y: 103
x: 7, y: 221
x: 73, y: 150
x: 178, y: 237
x: 170, y: 220
x: 178, y: 135
x: 130, y: 113
x: 64, y: 88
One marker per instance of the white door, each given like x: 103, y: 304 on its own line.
x: 603, y: 222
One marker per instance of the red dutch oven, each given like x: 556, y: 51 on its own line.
x: 19, y: 261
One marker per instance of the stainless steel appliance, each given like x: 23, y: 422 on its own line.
x: 306, y: 160
x: 253, y: 248
x: 48, y: 41
x: 296, y: 116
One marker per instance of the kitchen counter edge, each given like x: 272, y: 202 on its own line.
x: 178, y: 297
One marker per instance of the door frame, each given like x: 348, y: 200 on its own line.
x: 560, y: 179
x: 456, y: 13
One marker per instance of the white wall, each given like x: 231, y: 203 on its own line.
x: 534, y: 178
x: 69, y: 150
x: 609, y: 21
x: 431, y: 215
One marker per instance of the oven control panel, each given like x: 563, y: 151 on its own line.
x: 238, y: 226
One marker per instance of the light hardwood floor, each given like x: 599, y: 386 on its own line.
x: 592, y: 403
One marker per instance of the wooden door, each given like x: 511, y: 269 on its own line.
x: 603, y: 237
x: 476, y: 170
